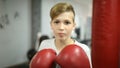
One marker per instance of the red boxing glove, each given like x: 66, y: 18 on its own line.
x: 73, y: 56
x: 43, y: 59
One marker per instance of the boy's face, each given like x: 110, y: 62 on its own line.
x: 63, y: 25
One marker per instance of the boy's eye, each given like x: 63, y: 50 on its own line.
x: 67, y: 22
x: 56, y: 22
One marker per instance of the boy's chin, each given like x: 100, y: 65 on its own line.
x: 63, y: 38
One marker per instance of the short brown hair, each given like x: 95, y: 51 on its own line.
x: 60, y: 8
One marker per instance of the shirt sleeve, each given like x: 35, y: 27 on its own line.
x: 47, y: 44
x: 42, y: 45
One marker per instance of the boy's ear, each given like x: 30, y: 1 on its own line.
x: 74, y: 25
x: 51, y: 24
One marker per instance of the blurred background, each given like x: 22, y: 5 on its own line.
x: 23, y: 22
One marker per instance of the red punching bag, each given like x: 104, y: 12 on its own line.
x: 105, y: 31
x: 119, y: 33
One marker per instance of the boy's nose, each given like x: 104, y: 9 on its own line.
x: 61, y: 27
